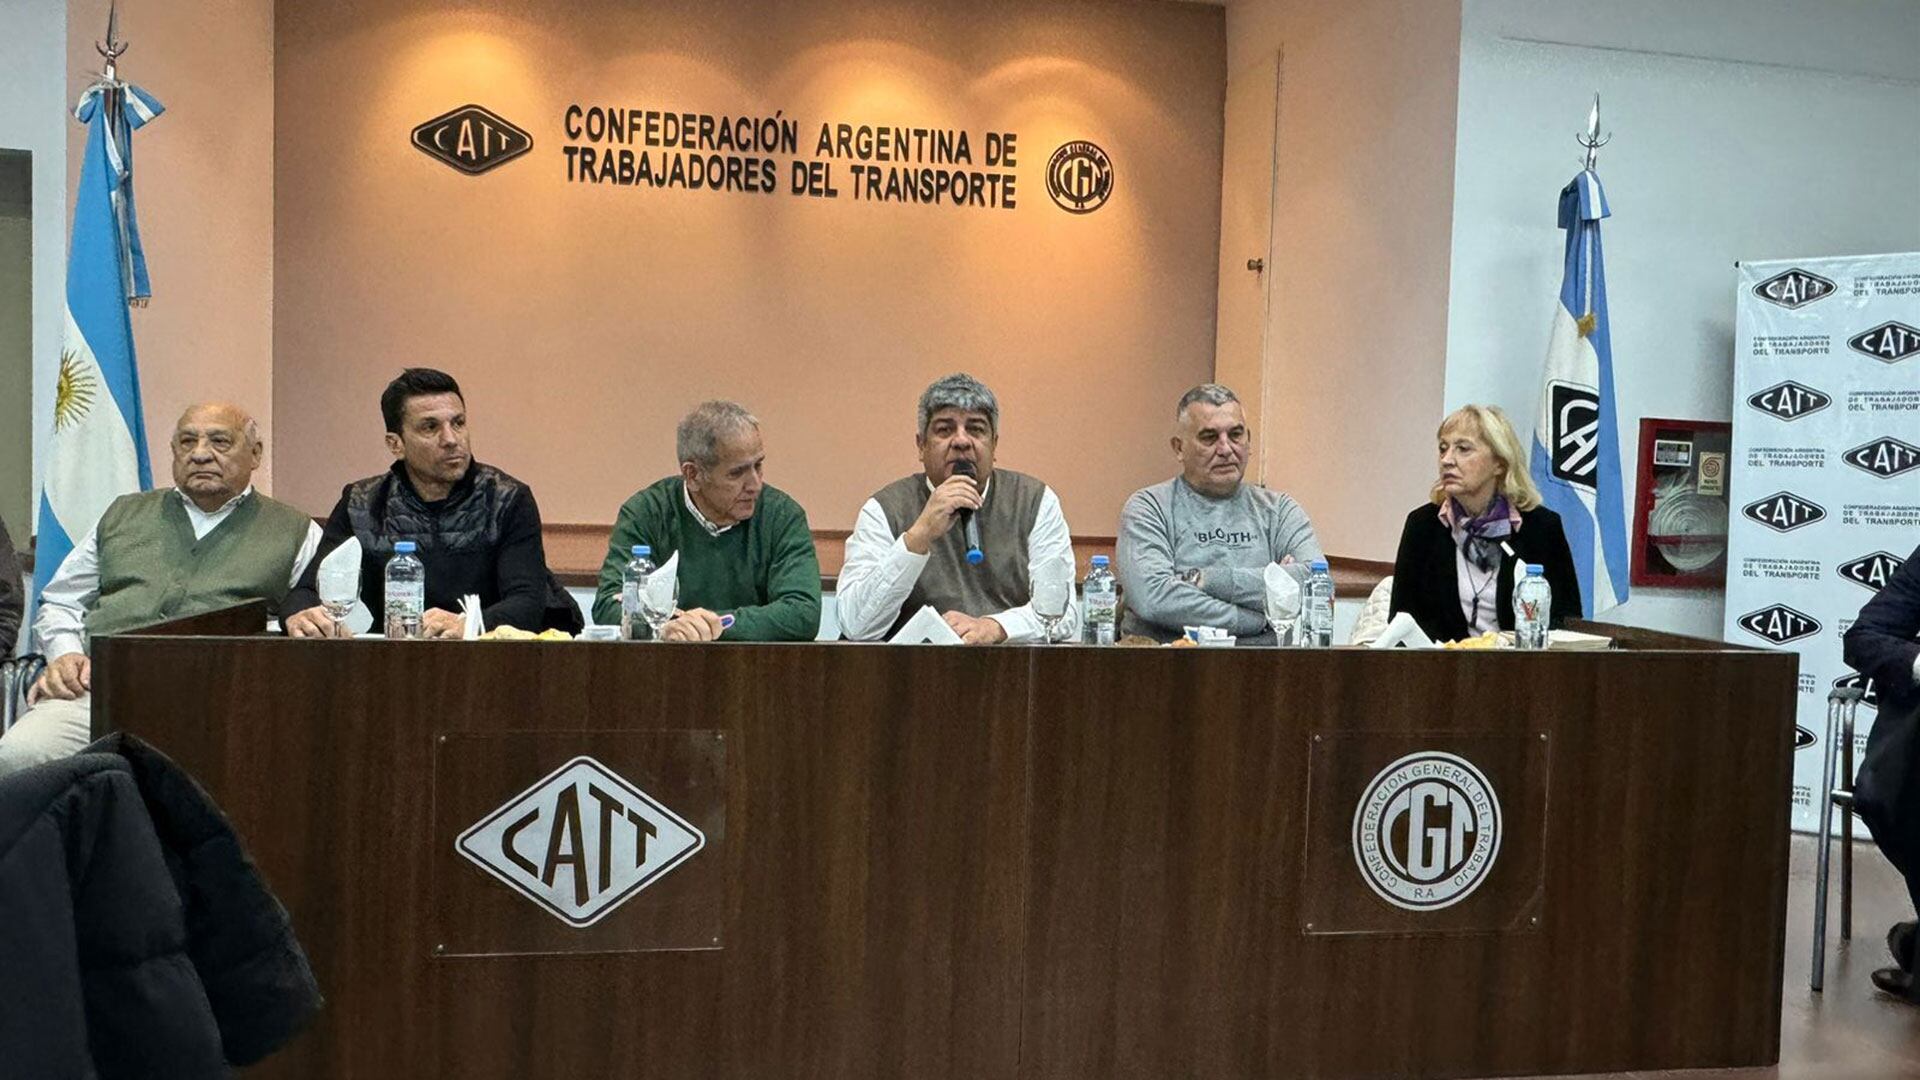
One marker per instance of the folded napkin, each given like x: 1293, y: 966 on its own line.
x: 1283, y: 591
x: 338, y: 577
x: 1403, y: 631
x: 476, y: 623
x: 660, y: 583
x: 926, y: 628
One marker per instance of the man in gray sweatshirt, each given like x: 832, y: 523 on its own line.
x: 1193, y: 551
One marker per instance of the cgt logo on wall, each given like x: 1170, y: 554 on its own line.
x: 581, y: 842
x: 1793, y: 289
x: 1890, y: 342
x: 1779, y: 624
x: 1427, y: 831
x: 471, y: 139
x: 1884, y: 457
x: 1871, y: 571
x: 1789, y: 400
x: 1783, y: 511
x: 1080, y: 177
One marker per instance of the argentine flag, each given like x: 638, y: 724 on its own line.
x: 99, y: 446
x: 1576, y: 443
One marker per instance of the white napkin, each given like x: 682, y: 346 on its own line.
x: 339, y: 573
x: 1403, y: 631
x: 1283, y: 587
x: 659, y: 583
x: 1208, y: 636
x: 476, y: 623
x: 926, y: 628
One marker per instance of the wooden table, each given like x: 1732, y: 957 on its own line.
x: 1010, y: 862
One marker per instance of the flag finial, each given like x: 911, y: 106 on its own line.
x: 1592, y: 139
x: 113, y: 48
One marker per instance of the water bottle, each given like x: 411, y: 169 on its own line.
x: 633, y: 618
x: 406, y: 592
x: 1532, y: 608
x: 1319, y: 605
x: 1099, y: 597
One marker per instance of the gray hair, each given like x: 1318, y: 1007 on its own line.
x: 1211, y: 393
x: 959, y: 391
x: 698, y: 437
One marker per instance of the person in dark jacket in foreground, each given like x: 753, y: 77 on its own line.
x: 1881, y: 646
x: 137, y: 939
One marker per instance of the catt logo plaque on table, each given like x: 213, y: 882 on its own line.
x: 581, y: 842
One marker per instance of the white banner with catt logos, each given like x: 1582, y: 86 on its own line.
x: 1825, y: 476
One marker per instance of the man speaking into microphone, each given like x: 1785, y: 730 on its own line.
x: 911, y: 545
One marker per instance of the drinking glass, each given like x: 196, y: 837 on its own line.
x: 1051, y: 595
x: 338, y: 587
x: 659, y: 597
x: 1283, y: 606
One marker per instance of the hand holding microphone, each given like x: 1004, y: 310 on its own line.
x: 974, y: 555
x: 957, y: 495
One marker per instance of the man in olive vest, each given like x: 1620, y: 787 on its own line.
x: 908, y: 549
x: 207, y: 543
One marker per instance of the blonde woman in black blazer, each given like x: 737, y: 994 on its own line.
x: 1454, y: 570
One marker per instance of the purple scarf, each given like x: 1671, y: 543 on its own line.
x: 1482, y: 534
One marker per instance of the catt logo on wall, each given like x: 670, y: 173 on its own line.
x: 472, y: 139
x: 1869, y: 694
x: 1795, y: 288
x: 1872, y: 570
x: 1885, y: 457
x: 1789, y: 400
x: 580, y: 842
x: 1427, y: 831
x: 1080, y: 177
x: 1802, y: 738
x: 1779, y: 624
x: 1890, y: 342
x: 1576, y: 432
x: 1783, y: 511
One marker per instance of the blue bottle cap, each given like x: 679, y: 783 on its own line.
x: 1099, y: 560
x: 642, y: 551
x: 1317, y: 565
x: 975, y: 556
x: 404, y: 547
x: 1534, y: 569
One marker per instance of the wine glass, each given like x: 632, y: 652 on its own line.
x: 659, y: 598
x: 339, y: 587
x: 1284, y: 595
x: 1052, y: 592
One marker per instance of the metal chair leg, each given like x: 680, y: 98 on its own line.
x: 1845, y: 802
x: 1823, y: 805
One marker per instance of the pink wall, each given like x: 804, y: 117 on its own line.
x: 204, y: 181
x: 584, y: 320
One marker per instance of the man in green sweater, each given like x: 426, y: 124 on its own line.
x: 745, y: 548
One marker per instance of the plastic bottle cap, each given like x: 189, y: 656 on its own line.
x: 1534, y: 569
x: 404, y: 547
x: 641, y: 551
x: 1318, y: 565
x: 975, y: 556
x: 1099, y: 560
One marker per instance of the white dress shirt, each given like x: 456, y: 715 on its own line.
x: 61, y: 623
x: 879, y: 572
x: 712, y: 529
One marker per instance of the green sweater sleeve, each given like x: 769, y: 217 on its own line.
x: 792, y: 610
x: 628, y: 530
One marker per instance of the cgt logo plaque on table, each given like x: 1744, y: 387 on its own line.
x: 1427, y: 831
x: 580, y: 842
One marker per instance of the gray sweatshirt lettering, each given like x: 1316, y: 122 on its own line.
x: 1169, y: 528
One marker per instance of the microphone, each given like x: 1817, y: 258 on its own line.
x: 974, y: 555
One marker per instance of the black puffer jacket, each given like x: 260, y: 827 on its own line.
x: 137, y: 939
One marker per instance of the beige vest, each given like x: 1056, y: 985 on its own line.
x: 948, y: 581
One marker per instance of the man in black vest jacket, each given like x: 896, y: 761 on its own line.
x: 476, y: 528
x: 1881, y: 646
